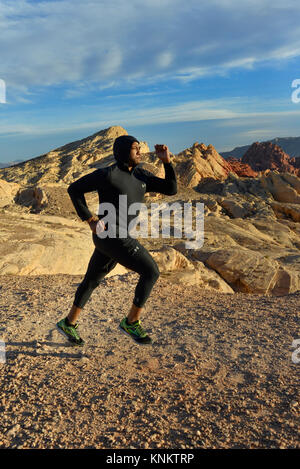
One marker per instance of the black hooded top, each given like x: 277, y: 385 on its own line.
x: 117, y: 179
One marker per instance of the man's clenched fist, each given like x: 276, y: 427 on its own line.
x: 162, y: 152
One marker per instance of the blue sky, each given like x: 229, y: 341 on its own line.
x: 168, y: 71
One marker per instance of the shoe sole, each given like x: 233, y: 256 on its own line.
x: 135, y: 341
x: 67, y: 337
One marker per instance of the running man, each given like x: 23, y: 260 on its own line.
x: 125, y: 177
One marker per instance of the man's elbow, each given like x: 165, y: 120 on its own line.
x: 173, y: 189
x: 71, y: 189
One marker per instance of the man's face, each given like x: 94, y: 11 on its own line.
x: 135, y: 155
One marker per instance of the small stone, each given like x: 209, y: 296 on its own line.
x: 13, y: 430
x: 85, y: 359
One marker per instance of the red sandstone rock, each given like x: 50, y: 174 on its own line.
x: 241, y: 169
x: 266, y: 155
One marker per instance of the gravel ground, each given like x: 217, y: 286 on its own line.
x: 219, y: 374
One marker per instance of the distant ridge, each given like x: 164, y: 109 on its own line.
x: 290, y: 145
x: 73, y: 160
x: 10, y: 163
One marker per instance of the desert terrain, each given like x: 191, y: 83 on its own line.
x: 223, y: 369
x: 219, y: 374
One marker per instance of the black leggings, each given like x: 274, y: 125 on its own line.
x: 107, y: 254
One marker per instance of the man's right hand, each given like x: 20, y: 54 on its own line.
x: 93, y: 222
x: 100, y: 227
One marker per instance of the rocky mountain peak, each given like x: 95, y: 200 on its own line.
x: 200, y: 161
x: 71, y: 161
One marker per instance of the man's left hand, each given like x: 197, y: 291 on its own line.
x: 162, y: 152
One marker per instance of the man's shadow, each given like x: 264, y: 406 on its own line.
x: 36, y: 349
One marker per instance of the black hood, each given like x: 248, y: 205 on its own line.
x: 121, y: 149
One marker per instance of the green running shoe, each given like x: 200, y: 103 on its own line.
x: 70, y: 332
x: 135, y: 331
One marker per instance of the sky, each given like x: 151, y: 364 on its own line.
x: 173, y: 72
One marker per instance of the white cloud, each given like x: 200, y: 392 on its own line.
x: 68, y: 41
x: 228, y: 112
x: 164, y: 59
x: 111, y: 63
x: 257, y: 133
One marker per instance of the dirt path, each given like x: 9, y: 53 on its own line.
x: 219, y: 374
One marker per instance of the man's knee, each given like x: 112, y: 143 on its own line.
x: 90, y: 284
x: 154, y: 272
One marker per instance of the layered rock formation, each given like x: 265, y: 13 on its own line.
x: 251, y: 239
x: 40, y: 244
x: 69, y: 162
x: 7, y: 192
x: 268, y: 156
x: 198, y: 162
x: 297, y: 162
x: 241, y: 169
